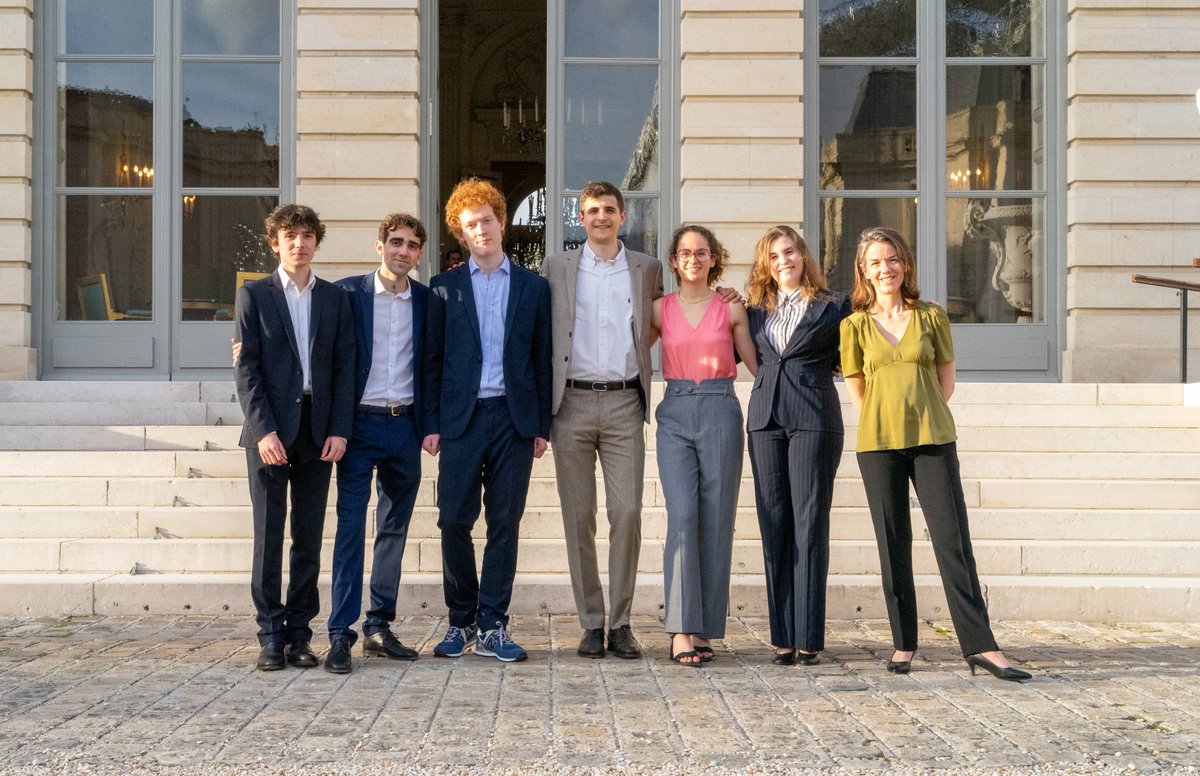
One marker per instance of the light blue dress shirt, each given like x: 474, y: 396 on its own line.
x: 491, y: 306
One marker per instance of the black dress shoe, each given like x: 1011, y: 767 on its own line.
x: 386, y: 644
x: 899, y: 666
x: 785, y: 658
x: 270, y: 657
x: 1008, y: 673
x: 338, y: 659
x: 807, y: 658
x: 592, y: 643
x: 622, y: 643
x: 301, y: 655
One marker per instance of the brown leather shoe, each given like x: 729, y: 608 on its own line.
x: 622, y: 643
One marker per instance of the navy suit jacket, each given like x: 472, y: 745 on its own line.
x: 427, y: 336
x: 527, y: 371
x: 795, y: 387
x: 270, y: 383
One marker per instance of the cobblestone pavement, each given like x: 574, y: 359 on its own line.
x: 180, y: 695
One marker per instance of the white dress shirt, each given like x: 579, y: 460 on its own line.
x: 299, y: 302
x: 602, y: 343
x: 782, y: 323
x: 390, y: 380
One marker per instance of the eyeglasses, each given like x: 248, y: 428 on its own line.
x: 685, y: 254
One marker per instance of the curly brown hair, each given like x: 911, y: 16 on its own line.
x: 291, y: 217
x: 762, y: 288
x: 393, y: 221
x: 598, y: 189
x: 720, y: 256
x: 473, y: 192
x: 863, y: 295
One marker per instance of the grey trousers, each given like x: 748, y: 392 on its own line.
x: 610, y: 424
x: 700, y: 445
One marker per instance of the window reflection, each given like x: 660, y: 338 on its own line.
x: 991, y: 142
x: 868, y: 28
x: 222, y: 236
x: 106, y: 125
x: 213, y: 27
x: 610, y: 126
x: 108, y: 27
x: 994, y: 260
x: 103, y: 257
x: 639, y: 233
x: 980, y: 28
x: 611, y: 29
x: 843, y: 219
x: 868, y: 127
x: 230, y: 124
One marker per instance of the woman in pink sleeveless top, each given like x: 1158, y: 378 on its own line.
x: 700, y: 442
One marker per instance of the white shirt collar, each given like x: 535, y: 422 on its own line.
x: 588, y: 253
x: 380, y: 288
x: 287, y: 281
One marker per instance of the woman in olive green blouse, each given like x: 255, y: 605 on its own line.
x: 899, y: 365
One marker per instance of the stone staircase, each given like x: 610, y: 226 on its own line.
x: 130, y: 497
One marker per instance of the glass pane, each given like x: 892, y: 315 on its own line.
x: 843, y: 219
x: 612, y: 29
x: 995, y: 260
x: 1001, y: 28
x: 868, y: 127
x: 106, y: 124
x: 993, y: 134
x: 230, y: 124
x: 639, y: 233
x: 868, y: 28
x: 610, y: 126
x: 220, y: 27
x: 103, y: 258
x: 108, y: 27
x: 525, y: 237
x: 222, y: 237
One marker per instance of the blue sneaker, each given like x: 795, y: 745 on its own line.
x: 498, y: 644
x: 456, y: 641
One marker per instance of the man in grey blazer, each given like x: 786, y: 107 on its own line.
x: 600, y: 299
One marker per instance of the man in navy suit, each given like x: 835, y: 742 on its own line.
x: 295, y: 382
x: 397, y: 324
x: 494, y: 418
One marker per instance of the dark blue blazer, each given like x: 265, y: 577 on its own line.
x: 427, y: 354
x: 527, y: 372
x: 270, y: 383
x: 795, y: 387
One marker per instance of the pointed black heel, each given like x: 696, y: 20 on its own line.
x: 1008, y: 674
x: 900, y: 666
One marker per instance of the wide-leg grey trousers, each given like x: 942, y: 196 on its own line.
x: 700, y: 446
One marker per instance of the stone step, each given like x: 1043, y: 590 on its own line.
x: 846, y: 523
x: 1010, y: 557
x: 848, y: 596
x: 193, y: 464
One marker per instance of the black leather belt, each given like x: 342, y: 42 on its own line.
x: 491, y: 401
x: 396, y: 410
x: 600, y: 385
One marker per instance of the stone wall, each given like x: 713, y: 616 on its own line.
x: 742, y: 120
x: 358, y: 121
x: 1133, y: 199
x: 18, y: 360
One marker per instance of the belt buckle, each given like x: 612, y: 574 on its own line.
x: 599, y: 386
x: 395, y: 409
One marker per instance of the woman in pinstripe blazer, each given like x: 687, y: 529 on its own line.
x: 795, y: 428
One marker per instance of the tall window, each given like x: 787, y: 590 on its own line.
x: 609, y: 113
x: 166, y: 158
x: 930, y: 118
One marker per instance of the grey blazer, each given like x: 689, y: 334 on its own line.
x: 646, y: 282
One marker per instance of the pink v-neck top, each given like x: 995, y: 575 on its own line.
x: 903, y: 406
x: 700, y: 353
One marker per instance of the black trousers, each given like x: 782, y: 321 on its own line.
x: 288, y: 621
x: 793, y: 492
x: 933, y: 470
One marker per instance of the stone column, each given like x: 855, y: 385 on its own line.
x: 18, y: 359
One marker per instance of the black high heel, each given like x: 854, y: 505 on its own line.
x: 1009, y: 674
x: 900, y: 666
